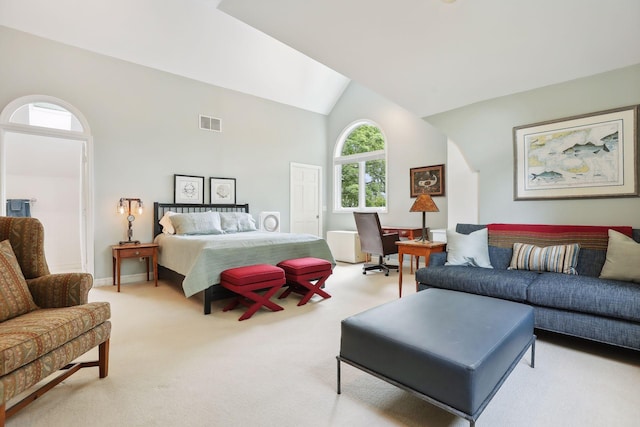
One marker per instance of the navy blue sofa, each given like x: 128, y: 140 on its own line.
x: 581, y: 305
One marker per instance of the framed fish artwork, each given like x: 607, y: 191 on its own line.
x: 427, y: 180
x: 586, y: 156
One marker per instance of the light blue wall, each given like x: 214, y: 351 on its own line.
x: 145, y: 128
x: 483, y: 131
x: 144, y: 124
x: 410, y: 143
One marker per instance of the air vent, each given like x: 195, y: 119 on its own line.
x: 210, y: 123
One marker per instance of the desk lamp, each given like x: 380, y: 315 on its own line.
x: 124, y: 205
x: 424, y: 203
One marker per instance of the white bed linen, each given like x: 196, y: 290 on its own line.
x: 202, y: 258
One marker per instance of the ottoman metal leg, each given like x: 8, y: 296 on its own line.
x: 338, y: 361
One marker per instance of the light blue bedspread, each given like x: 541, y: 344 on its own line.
x: 202, y: 258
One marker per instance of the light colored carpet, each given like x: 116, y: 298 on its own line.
x: 173, y: 366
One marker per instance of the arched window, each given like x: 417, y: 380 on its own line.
x: 48, y: 115
x: 360, y: 165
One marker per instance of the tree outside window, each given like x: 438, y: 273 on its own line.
x: 360, y: 169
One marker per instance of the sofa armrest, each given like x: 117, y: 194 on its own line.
x: 61, y: 290
x: 437, y: 258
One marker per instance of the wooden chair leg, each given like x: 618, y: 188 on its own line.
x: 103, y: 359
x: 3, y: 414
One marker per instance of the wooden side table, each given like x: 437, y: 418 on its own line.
x: 141, y: 250
x: 410, y: 233
x: 417, y: 249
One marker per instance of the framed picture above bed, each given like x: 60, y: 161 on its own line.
x: 188, y: 189
x: 223, y: 190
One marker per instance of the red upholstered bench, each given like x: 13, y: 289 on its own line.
x: 246, y: 281
x: 300, y: 274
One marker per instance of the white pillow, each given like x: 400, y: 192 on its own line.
x: 623, y: 254
x: 468, y: 249
x: 165, y: 222
x: 246, y: 222
x: 197, y: 223
x: 233, y: 222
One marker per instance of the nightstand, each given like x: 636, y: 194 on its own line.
x: 142, y: 250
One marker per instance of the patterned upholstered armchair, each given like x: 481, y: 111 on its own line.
x: 46, y: 321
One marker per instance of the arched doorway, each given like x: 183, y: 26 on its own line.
x: 46, y: 167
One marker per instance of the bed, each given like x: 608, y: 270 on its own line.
x: 195, y: 261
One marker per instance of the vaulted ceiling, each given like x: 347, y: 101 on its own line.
x: 428, y: 56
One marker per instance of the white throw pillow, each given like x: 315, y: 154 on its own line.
x: 468, y: 249
x: 623, y: 256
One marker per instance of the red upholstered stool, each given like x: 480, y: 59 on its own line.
x: 246, y: 281
x: 300, y: 272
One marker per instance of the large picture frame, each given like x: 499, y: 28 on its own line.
x: 188, y: 189
x: 427, y: 180
x: 223, y: 190
x: 587, y: 156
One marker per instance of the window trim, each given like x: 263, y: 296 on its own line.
x: 361, y: 159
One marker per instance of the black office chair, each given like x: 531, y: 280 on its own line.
x: 375, y: 242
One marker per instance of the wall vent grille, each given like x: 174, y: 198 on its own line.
x: 210, y: 123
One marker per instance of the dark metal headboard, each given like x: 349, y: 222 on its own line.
x: 159, y: 209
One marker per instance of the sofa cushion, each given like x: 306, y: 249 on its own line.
x: 468, y: 249
x: 622, y: 263
x: 25, y: 338
x: 15, y: 298
x: 611, y: 298
x: 506, y: 284
x: 500, y: 257
x: 590, y: 262
x: 557, y: 258
x: 15, y: 382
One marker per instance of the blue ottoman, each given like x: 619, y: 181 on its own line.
x: 450, y: 348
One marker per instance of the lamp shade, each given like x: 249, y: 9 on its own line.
x: 424, y: 203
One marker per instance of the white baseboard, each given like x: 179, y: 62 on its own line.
x: 130, y: 278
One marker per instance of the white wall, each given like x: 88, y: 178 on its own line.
x: 410, y: 143
x: 483, y: 131
x: 145, y: 128
x: 463, y: 188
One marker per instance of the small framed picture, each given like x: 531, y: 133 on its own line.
x: 427, y: 180
x: 223, y: 191
x: 188, y: 189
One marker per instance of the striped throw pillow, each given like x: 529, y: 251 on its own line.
x: 557, y: 259
x: 15, y: 298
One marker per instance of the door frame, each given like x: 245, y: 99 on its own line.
x: 87, y: 184
x: 292, y: 166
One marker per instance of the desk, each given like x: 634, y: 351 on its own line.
x: 410, y: 233
x: 144, y: 250
x: 417, y: 249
